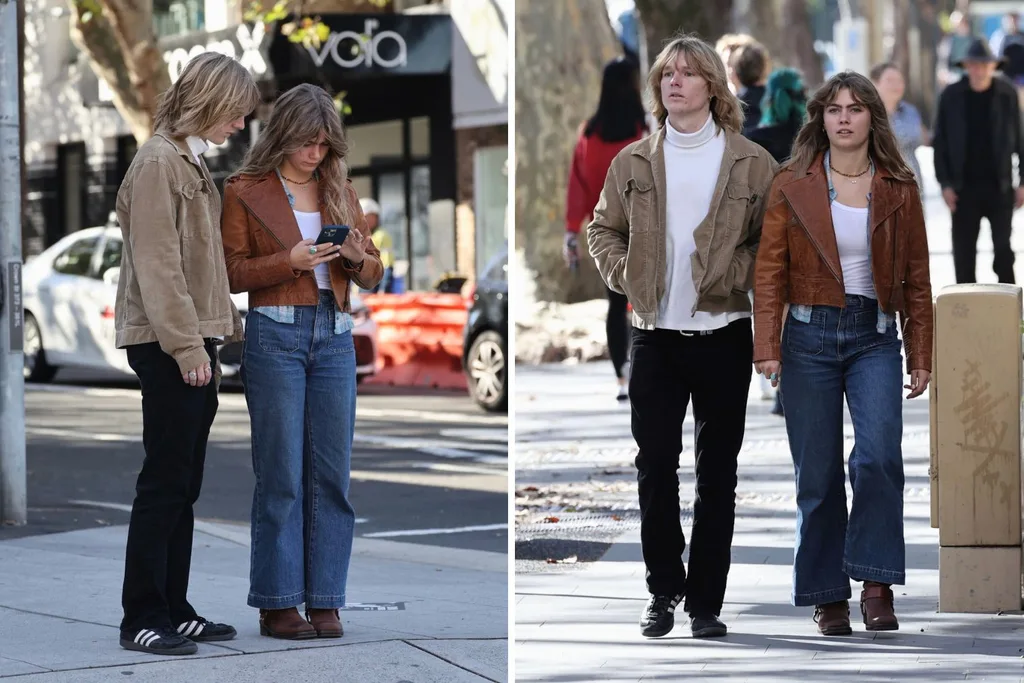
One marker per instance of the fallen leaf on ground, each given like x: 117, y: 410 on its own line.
x: 551, y: 520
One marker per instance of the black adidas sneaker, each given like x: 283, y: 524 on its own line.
x: 158, y: 641
x: 659, y: 616
x: 202, y: 630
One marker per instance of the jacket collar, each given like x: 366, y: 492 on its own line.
x: 265, y: 197
x: 808, y: 195
x: 652, y: 147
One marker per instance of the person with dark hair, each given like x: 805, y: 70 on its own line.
x: 977, y: 132
x: 844, y: 246
x: 751, y: 63
x: 619, y: 120
x: 904, y: 117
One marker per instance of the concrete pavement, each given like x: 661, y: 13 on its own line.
x: 578, y: 620
x: 416, y: 613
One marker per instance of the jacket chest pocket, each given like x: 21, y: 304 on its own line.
x: 198, y: 249
x: 738, y: 202
x: 638, y: 199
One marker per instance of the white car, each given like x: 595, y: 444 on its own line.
x: 69, y: 293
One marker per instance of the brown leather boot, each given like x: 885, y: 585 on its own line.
x: 833, y: 618
x: 877, y: 608
x: 326, y: 622
x: 286, y: 624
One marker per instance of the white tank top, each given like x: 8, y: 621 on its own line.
x: 851, y: 226
x: 309, y: 226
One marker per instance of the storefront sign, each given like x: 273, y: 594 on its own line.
x: 242, y: 42
x: 369, y: 45
x: 246, y: 42
x: 349, y: 49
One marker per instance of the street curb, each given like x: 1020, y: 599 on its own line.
x: 416, y: 553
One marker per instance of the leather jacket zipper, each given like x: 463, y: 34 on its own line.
x: 832, y: 270
x: 264, y: 225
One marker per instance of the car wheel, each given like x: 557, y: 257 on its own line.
x: 486, y: 368
x: 36, y: 367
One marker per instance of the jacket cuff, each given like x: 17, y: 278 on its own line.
x: 763, y: 352
x: 190, y: 359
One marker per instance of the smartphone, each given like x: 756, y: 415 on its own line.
x: 333, y: 234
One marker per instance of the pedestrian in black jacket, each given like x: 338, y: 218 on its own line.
x: 977, y: 131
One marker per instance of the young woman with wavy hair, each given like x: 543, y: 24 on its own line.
x: 844, y: 245
x: 298, y: 361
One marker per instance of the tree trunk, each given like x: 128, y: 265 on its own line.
x: 122, y: 49
x: 922, y: 91
x: 801, y: 53
x: 764, y: 25
x: 663, y: 19
x: 901, y: 33
x: 561, y: 48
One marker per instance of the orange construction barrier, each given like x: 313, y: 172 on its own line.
x: 419, y: 339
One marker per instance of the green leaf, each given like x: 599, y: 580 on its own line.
x: 323, y: 31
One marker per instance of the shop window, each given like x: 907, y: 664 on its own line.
x: 371, y: 140
x: 71, y: 176
x: 490, y: 166
x: 174, y: 17
x: 419, y: 129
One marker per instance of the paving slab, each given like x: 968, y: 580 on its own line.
x: 406, y: 603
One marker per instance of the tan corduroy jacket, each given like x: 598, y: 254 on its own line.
x: 627, y: 236
x: 173, y: 286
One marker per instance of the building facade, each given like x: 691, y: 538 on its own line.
x: 427, y: 128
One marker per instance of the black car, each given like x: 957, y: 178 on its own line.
x: 485, y: 340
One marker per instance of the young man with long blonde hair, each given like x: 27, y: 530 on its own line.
x: 298, y: 362
x: 676, y: 231
x: 173, y: 304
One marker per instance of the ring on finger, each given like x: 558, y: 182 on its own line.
x: 312, y: 250
x: 773, y: 376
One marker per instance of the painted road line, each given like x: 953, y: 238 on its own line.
x: 388, y: 414
x: 435, y: 532
x: 463, y: 469
x: 418, y: 444
x: 439, y: 448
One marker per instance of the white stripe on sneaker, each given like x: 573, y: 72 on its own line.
x: 199, y: 629
x: 144, y: 633
x: 187, y: 628
x: 149, y: 641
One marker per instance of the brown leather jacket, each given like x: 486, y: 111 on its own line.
x: 798, y: 260
x: 259, y: 231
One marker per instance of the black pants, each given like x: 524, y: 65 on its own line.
x: 972, y: 205
x: 669, y: 370
x: 176, y: 421
x: 617, y: 329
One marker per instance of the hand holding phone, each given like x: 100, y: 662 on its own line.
x: 302, y: 256
x: 333, y: 234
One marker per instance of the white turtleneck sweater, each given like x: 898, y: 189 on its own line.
x: 692, y: 163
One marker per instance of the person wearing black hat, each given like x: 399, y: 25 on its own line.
x: 977, y: 130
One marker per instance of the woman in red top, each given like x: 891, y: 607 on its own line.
x: 620, y: 119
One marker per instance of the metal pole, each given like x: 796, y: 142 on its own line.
x: 13, y: 502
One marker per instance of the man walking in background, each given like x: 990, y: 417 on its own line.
x: 977, y: 130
